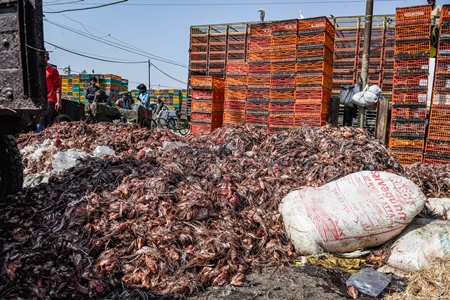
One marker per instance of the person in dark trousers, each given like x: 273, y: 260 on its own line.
x: 90, y: 91
x: 53, y: 94
x: 102, y: 97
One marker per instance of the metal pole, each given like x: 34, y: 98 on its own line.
x: 365, y: 57
x: 149, y: 65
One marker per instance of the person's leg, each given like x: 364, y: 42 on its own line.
x: 46, y: 120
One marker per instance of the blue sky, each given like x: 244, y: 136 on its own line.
x: 134, y: 31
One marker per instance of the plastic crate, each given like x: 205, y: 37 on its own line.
x: 260, y: 29
x: 443, y: 66
x: 237, y: 68
x: 413, y: 14
x: 199, y: 48
x: 306, y: 95
x: 443, y: 50
x: 199, y: 40
x: 315, y: 120
x: 441, y: 99
x: 278, y: 129
x: 257, y: 106
x: 230, y: 105
x: 217, y: 39
x: 444, y: 30
x: 288, y: 81
x: 412, y: 81
x: 412, y: 47
x: 440, y: 115
x: 314, y: 52
x: 405, y: 112
x: 258, y: 42
x: 412, y: 65
x: 281, y: 54
x: 236, y: 80
x: 206, y: 117
x: 206, y: 106
x: 442, y: 83
x: 207, y: 95
x: 314, y: 79
x: 445, y: 13
x: 436, y: 161
x: 283, y: 67
x: 411, y: 97
x: 258, y: 94
x: 312, y: 24
x: 203, y: 128
x: 316, y: 37
x: 256, y: 118
x: 207, y: 82
x: 284, y: 40
x: 406, y: 142
x: 408, y: 128
x: 407, y: 158
x: 260, y: 80
x: 220, y: 57
x: 314, y: 66
x: 281, y: 120
x: 233, y: 116
x: 412, y: 31
x: 439, y: 132
x: 320, y: 107
x: 437, y: 146
x: 260, y: 55
x: 198, y: 66
x: 236, y: 56
x: 235, y: 94
x: 259, y: 68
x: 282, y: 94
x: 284, y: 26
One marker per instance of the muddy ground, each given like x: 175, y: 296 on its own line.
x: 309, y: 282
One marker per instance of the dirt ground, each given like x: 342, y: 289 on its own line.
x: 294, y: 283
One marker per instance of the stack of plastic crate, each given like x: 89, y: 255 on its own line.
x: 198, y: 50
x: 237, y: 43
x: 207, y: 103
x: 315, y: 46
x: 235, y: 93
x: 282, y: 75
x: 258, y: 83
x: 437, y: 149
x: 217, y: 50
x: 410, y: 86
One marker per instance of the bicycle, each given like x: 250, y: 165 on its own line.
x: 182, y: 125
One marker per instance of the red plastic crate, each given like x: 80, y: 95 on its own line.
x: 262, y: 29
x: 440, y: 115
x: 233, y: 117
x: 199, y: 39
x: 206, y: 106
x: 405, y: 142
x: 282, y: 94
x: 259, y: 68
x: 413, y: 14
x: 198, y: 56
x: 445, y: 26
x: 258, y: 94
x: 314, y: 52
x: 286, y: 107
x: 283, y: 67
x: 258, y: 42
x: 437, y: 146
x: 445, y: 13
x: 206, y: 117
x: 443, y: 50
x: 441, y: 99
x: 408, y: 113
x: 260, y: 80
x: 203, y: 128
x: 412, y: 31
x: 318, y: 23
x: 443, y: 66
x: 314, y: 79
x: 408, y: 128
x: 410, y: 47
x: 235, y: 94
x: 412, y: 65
x: 256, y: 105
x: 251, y: 118
x: 410, y: 97
x: 281, y: 120
x: 439, y: 132
x: 316, y: 120
x: 234, y: 105
x: 236, y: 80
x: 207, y: 95
x: 320, y: 65
x: 259, y: 55
x: 436, y: 161
x: 207, y: 82
x: 407, y: 158
x: 284, y: 40
x: 320, y: 107
x: 410, y: 80
x: 442, y: 83
x: 282, y: 81
x: 280, y: 54
x: 237, y: 68
x: 307, y: 95
x: 313, y: 38
x: 284, y: 26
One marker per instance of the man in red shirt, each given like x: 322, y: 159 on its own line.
x: 53, y: 94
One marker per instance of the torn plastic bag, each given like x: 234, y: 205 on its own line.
x: 369, y: 281
x: 368, y: 97
x: 347, y: 92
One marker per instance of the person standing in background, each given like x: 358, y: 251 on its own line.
x: 143, y: 98
x: 90, y: 91
x: 435, y: 14
x: 53, y: 94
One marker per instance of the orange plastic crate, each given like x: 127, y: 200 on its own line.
x: 203, y: 128
x: 407, y: 158
x: 316, y: 37
x: 207, y: 95
x: 405, y: 142
x: 411, y: 81
x: 311, y: 24
x: 410, y: 47
x: 440, y: 116
x: 234, y: 105
x: 444, y: 26
x: 306, y: 95
x: 236, y: 80
x: 283, y: 67
x: 316, y: 120
x: 261, y: 80
x: 314, y: 54
x: 410, y: 97
x: 445, y: 13
x: 233, y: 117
x: 206, y: 117
x: 412, y: 31
x: 408, y: 128
x: 259, y: 55
x: 412, y: 65
x: 258, y: 94
x: 443, y: 50
x: 441, y: 99
x: 413, y: 14
x: 442, y: 83
x: 235, y: 94
x: 284, y: 40
x: 259, y: 68
x: 237, y: 68
x: 436, y: 161
x: 314, y: 79
x: 257, y: 42
x: 206, y: 106
x: 319, y: 65
x: 437, y: 146
x: 198, y: 56
x: 443, y: 66
x: 256, y: 105
x: 311, y: 108
x: 207, y: 82
x: 284, y: 26
x: 439, y: 132
x: 408, y: 113
x: 288, y: 81
x: 281, y: 120
x: 261, y: 29
x: 282, y: 94
x: 280, y: 54
x: 251, y: 118
x: 199, y: 39
x: 286, y: 107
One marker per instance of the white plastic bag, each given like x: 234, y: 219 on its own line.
x: 419, y: 245
x: 439, y: 206
x: 368, y: 97
x: 103, y: 150
x: 67, y: 159
x: 363, y: 209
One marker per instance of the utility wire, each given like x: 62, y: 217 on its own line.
x: 85, y: 8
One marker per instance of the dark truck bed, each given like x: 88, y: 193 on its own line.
x: 22, y: 65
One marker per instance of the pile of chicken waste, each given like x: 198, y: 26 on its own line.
x: 168, y: 214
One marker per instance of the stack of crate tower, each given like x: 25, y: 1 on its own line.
x: 258, y: 83
x: 235, y: 93
x: 207, y: 103
x: 315, y: 46
x: 437, y: 150
x: 410, y: 87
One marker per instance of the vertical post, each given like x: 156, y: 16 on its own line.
x: 149, y: 65
x: 365, y: 57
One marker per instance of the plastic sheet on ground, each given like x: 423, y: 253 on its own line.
x: 439, y: 206
x: 66, y: 160
x: 369, y: 281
